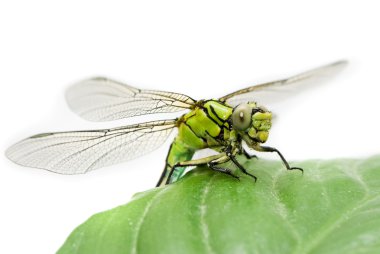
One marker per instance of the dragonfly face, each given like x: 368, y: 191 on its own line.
x: 211, y: 124
x: 252, y: 123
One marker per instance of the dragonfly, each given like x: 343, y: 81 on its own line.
x: 222, y: 125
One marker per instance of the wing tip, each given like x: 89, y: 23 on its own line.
x: 11, y: 150
x: 7, y: 153
x: 11, y: 154
x: 337, y: 66
x: 342, y: 63
x: 330, y: 69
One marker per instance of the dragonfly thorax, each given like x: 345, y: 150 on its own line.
x: 252, y: 122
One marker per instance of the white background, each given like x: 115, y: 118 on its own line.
x: 201, y: 48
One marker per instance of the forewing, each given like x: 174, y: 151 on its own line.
x: 78, y: 152
x: 102, y: 99
x: 275, y: 91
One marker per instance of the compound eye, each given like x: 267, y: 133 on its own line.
x: 241, y: 117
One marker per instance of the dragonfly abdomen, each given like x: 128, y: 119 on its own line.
x: 178, y: 152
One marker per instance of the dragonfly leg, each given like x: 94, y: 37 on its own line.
x: 249, y: 156
x: 197, y: 162
x: 163, y: 174
x: 227, y: 171
x: 272, y: 149
x: 241, y: 167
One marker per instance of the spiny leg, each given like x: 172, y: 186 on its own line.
x: 272, y: 149
x: 202, y: 161
x: 249, y: 156
x: 241, y: 167
x: 223, y: 159
x: 222, y: 170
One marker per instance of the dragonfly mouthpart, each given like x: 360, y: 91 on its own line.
x: 261, y: 124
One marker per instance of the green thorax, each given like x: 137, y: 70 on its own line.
x: 207, y: 125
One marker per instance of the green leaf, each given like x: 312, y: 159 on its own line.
x: 334, y: 207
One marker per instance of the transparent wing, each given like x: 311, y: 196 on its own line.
x: 272, y: 92
x: 102, y: 99
x: 78, y: 152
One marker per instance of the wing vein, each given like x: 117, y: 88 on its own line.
x: 278, y: 90
x: 101, y: 99
x: 73, y: 153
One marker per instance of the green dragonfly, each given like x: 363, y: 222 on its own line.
x: 220, y: 124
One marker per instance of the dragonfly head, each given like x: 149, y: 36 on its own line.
x: 252, y: 122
